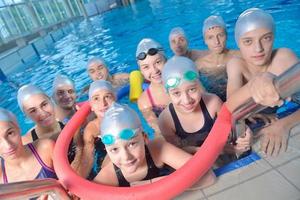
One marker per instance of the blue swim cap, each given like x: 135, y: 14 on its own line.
x: 177, y: 70
x: 213, y: 21
x: 95, y: 60
x: 100, y: 85
x: 27, y: 91
x: 7, y: 116
x: 175, y: 32
x: 119, y: 118
x: 252, y: 19
x: 62, y: 80
x: 146, y: 44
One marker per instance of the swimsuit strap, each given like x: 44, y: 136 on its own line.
x: 150, y: 97
x: 121, y: 179
x: 3, y: 171
x: 153, y: 171
x: 37, y: 156
x: 34, y: 135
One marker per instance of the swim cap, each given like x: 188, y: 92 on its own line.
x: 175, y: 32
x: 146, y: 44
x: 95, y: 60
x: 61, y: 80
x: 100, y: 85
x: 25, y: 92
x: 179, y: 69
x: 213, y: 21
x: 7, y: 116
x: 119, y: 121
x: 252, y: 19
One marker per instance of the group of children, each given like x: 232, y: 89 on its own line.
x: 176, y: 105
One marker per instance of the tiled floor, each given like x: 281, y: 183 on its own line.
x: 269, y: 178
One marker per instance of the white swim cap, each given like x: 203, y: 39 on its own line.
x: 100, y: 85
x: 252, y: 19
x: 61, y: 80
x: 25, y: 92
x: 213, y: 21
x: 119, y: 122
x: 179, y: 69
x: 176, y: 32
x: 95, y: 60
x: 145, y: 45
x: 7, y: 116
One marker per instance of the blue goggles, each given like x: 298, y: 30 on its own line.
x: 173, y: 82
x: 125, y: 134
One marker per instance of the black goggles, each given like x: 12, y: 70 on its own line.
x: 151, y: 52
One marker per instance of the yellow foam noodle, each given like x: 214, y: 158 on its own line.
x: 136, y: 81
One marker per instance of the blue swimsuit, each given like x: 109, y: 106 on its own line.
x: 45, y: 172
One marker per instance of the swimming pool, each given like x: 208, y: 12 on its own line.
x: 115, y: 34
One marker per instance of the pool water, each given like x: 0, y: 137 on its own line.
x: 115, y: 35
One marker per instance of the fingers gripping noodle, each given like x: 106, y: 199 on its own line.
x: 166, y: 188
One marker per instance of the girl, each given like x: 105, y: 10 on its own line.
x: 151, y: 58
x: 101, y: 97
x: 133, y: 157
x: 22, y: 162
x: 190, y: 104
x: 39, y: 108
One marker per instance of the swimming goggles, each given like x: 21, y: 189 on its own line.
x: 125, y: 134
x: 173, y: 82
x: 151, y: 52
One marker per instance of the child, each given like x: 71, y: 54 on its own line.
x: 151, y: 58
x: 190, y: 104
x: 133, y: 158
x: 101, y: 97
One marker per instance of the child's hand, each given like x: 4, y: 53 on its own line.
x: 263, y: 90
x: 274, y: 139
x: 243, y: 143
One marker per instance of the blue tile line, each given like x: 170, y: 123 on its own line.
x: 237, y: 164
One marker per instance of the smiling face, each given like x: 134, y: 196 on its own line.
x: 179, y: 45
x: 128, y: 155
x: 215, y: 39
x: 101, y: 100
x: 65, y: 96
x: 186, y: 96
x: 151, y: 67
x: 10, y: 140
x: 40, y: 109
x: 98, y: 71
x: 256, y: 46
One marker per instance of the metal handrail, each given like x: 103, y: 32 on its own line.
x: 34, y: 188
x: 286, y: 84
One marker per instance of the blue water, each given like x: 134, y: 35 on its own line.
x: 115, y: 35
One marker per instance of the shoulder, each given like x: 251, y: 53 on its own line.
x: 196, y: 54
x: 44, y: 145
x: 107, y: 176
x: 90, y: 131
x: 27, y: 138
x: 165, y: 117
x: 143, y: 102
x: 212, y: 102
x: 283, y: 58
x: 121, y: 75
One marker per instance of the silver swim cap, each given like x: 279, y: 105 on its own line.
x: 145, y: 45
x: 179, y: 69
x: 100, y: 85
x: 7, y: 116
x: 252, y: 19
x: 176, y: 32
x: 95, y: 60
x: 61, y: 80
x: 213, y: 21
x: 119, y: 122
x: 25, y: 92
